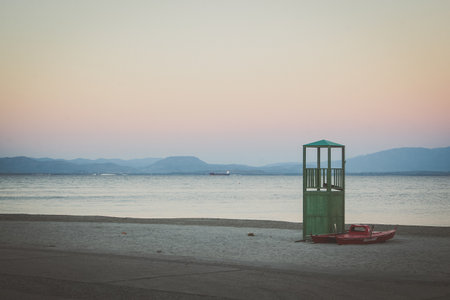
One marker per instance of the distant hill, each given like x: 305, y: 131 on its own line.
x: 25, y: 165
x: 399, y: 160
x: 133, y: 163
x: 193, y: 165
x: 177, y: 164
x: 292, y: 168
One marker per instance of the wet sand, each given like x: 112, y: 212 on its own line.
x: 415, y: 264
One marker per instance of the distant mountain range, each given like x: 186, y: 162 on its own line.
x: 402, y: 160
x: 399, y: 160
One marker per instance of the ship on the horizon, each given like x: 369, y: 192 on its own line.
x: 227, y: 173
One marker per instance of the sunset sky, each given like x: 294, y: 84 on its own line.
x: 227, y: 81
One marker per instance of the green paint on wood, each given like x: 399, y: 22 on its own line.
x: 323, y: 193
x: 323, y: 210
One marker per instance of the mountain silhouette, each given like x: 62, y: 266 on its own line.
x: 399, y: 160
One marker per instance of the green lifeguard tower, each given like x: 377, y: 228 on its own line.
x: 323, y: 189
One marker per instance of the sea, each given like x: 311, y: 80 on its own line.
x: 403, y: 200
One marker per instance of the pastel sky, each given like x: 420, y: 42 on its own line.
x: 227, y: 81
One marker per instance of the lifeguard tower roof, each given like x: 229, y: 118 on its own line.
x: 324, y: 143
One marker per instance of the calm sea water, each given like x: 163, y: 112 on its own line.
x: 412, y: 200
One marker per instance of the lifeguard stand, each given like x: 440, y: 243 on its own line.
x: 323, y: 191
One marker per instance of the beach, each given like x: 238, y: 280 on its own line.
x: 56, y: 256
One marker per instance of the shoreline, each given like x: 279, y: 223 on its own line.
x: 417, y: 230
x: 221, y: 222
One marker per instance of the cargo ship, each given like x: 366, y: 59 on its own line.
x: 227, y: 173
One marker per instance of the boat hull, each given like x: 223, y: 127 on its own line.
x: 376, y: 237
x: 324, y: 238
x: 357, y: 234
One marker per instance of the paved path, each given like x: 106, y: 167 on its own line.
x: 27, y: 273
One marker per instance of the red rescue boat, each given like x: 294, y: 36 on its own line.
x: 357, y: 234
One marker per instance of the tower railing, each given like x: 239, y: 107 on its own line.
x: 318, y: 178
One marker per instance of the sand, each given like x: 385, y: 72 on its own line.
x: 417, y: 253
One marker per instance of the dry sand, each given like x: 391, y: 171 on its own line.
x: 417, y: 253
x: 416, y: 250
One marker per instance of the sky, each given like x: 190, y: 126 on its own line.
x: 226, y: 81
